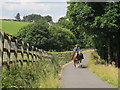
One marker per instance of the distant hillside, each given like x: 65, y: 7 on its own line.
x: 12, y: 27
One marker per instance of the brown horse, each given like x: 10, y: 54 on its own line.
x: 77, y: 59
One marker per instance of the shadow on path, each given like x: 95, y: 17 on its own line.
x: 83, y: 66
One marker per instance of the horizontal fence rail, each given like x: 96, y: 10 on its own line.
x: 9, y: 45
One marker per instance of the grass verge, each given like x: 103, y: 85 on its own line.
x: 108, y: 73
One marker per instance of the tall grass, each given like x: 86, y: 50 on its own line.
x: 44, y: 75
x: 0, y: 78
x: 108, y: 73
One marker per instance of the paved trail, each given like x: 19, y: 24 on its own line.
x: 81, y: 77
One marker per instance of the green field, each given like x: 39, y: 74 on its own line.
x: 12, y: 27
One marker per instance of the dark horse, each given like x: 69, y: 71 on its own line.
x: 77, y: 58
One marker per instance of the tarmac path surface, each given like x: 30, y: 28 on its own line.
x: 81, y: 77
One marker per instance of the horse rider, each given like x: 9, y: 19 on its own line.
x: 80, y: 53
x: 78, y: 49
x: 75, y: 49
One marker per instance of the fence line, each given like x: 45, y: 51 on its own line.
x: 35, y: 57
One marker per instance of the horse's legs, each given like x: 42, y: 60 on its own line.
x: 81, y: 62
x: 77, y: 62
x: 74, y: 63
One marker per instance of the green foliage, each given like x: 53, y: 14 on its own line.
x: 37, y: 17
x: 80, y: 13
x: 65, y: 23
x: 81, y: 16
x: 36, y: 34
x: 60, y: 38
x: 34, y: 17
x: 17, y: 16
x: 48, y: 18
x: 19, y: 77
x: 41, y: 35
x: 62, y: 18
x: 81, y: 37
x: 100, y: 21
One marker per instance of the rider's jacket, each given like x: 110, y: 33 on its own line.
x: 79, y: 51
x: 74, y: 49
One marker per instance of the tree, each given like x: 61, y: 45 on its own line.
x: 35, y: 17
x: 61, y: 38
x: 48, y: 18
x: 101, y: 21
x: 36, y: 34
x: 65, y: 23
x: 81, y: 37
x: 62, y: 18
x: 17, y: 16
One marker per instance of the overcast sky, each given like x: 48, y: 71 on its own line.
x: 54, y: 8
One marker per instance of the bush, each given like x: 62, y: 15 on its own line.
x: 36, y: 34
x: 61, y: 38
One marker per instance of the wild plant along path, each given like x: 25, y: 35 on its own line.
x: 81, y: 77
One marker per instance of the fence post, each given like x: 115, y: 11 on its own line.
x: 39, y: 55
x: 27, y: 53
x: 50, y: 56
x: 36, y: 54
x: 1, y: 47
x: 15, y: 53
x: 42, y: 54
x: 32, y: 54
x: 45, y: 55
x: 8, y: 52
x: 22, y: 53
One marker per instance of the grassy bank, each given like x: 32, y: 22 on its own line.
x: 32, y: 76
x: 44, y: 75
x: 108, y: 73
x: 12, y: 27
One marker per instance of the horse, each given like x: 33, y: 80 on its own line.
x: 77, y: 59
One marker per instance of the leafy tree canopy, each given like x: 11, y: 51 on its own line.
x: 61, y: 38
x: 48, y: 18
x: 37, y: 17
x: 17, y: 16
x: 36, y: 34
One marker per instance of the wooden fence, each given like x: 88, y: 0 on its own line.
x: 35, y: 53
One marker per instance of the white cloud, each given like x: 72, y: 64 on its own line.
x: 0, y: 9
x: 5, y: 17
x: 26, y: 6
x: 34, y: 0
x: 21, y: 17
x: 56, y: 10
x: 47, y: 14
x: 59, y: 16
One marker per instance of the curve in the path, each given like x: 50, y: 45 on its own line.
x: 81, y: 77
